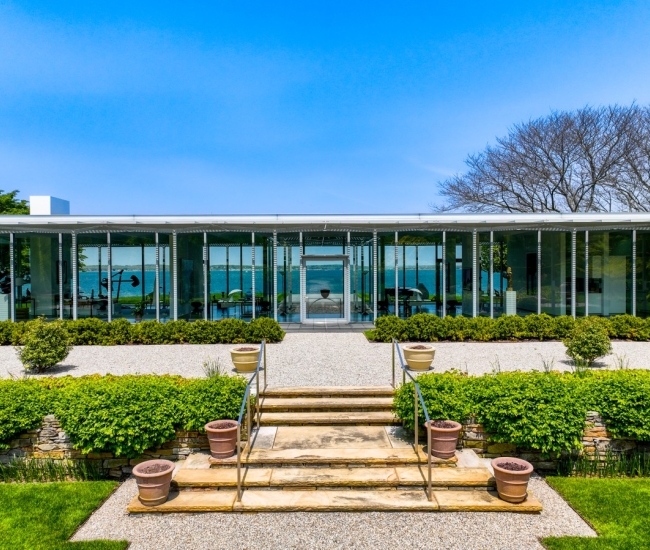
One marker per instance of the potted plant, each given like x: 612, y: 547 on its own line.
x: 222, y: 436
x: 444, y: 437
x: 138, y: 311
x: 245, y: 358
x: 153, y: 478
x: 419, y: 356
x: 512, y: 475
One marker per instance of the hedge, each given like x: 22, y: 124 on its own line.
x: 123, y: 415
x: 93, y: 331
x: 425, y: 327
x: 535, y: 410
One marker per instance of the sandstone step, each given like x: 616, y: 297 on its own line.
x: 329, y: 457
x: 329, y: 391
x: 336, y: 501
x: 357, y: 404
x: 413, y: 476
x: 382, y: 418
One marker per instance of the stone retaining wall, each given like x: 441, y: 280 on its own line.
x: 596, y: 443
x: 50, y: 441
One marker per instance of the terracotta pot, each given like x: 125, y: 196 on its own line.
x: 419, y: 356
x: 153, y: 478
x: 222, y: 436
x: 512, y: 485
x: 246, y: 360
x: 444, y: 440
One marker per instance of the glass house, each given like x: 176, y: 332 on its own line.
x: 340, y: 268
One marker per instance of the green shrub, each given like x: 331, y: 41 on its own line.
x: 264, y: 328
x: 7, y: 333
x: 445, y: 396
x: 22, y: 407
x: 623, y: 400
x: 562, y: 326
x: 531, y: 410
x: 150, y: 333
x: 510, y: 327
x: 88, y: 332
x: 215, y: 398
x: 123, y: 415
x: 628, y: 327
x: 540, y: 327
x: 480, y: 329
x: 587, y: 342
x: 44, y: 345
x: 424, y: 327
x: 120, y: 332
x: 389, y: 327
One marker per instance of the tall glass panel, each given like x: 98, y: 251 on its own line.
x: 580, y: 273
x: 556, y: 273
x: 133, y: 259
x: 324, y: 288
x: 289, y: 277
x: 643, y: 274
x: 5, y: 279
x: 231, y: 282
x: 610, y: 273
x: 459, y: 276
x: 189, y: 265
x: 515, y: 257
x: 92, y: 266
x: 484, y: 288
x: 263, y: 275
x: 385, y: 274
x: 361, y: 277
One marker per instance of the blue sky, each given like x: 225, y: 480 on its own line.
x: 290, y: 107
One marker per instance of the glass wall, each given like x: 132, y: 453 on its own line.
x: 643, y: 273
x: 459, y: 274
x: 515, y: 260
x: 190, y: 279
x: 556, y: 273
x: 610, y: 273
x: 263, y: 274
x: 386, y: 274
x: 5, y: 278
x: 289, y: 277
x: 361, y: 277
x: 92, y: 266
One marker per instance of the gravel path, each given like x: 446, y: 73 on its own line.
x: 320, y: 359
x: 462, y: 531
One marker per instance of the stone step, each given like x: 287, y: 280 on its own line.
x: 370, y: 457
x: 336, y: 501
x: 357, y: 404
x: 412, y: 476
x: 380, y: 418
x: 329, y: 391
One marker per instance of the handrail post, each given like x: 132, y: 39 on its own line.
x: 429, y: 492
x: 264, y: 345
x: 238, y: 462
x: 393, y: 350
x: 415, y: 418
x: 248, y: 421
x: 257, y: 402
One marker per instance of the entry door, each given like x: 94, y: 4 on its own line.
x: 324, y: 288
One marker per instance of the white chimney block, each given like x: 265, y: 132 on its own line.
x: 44, y: 205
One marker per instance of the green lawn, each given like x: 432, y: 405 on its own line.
x: 619, y: 510
x: 42, y: 516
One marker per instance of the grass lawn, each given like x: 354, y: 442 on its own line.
x: 43, y: 516
x: 619, y: 510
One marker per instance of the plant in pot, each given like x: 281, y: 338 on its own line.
x: 444, y: 437
x: 512, y: 475
x: 153, y: 478
x: 245, y: 358
x: 138, y: 311
x: 222, y: 436
x: 419, y: 356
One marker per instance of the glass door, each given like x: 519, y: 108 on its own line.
x: 324, y: 291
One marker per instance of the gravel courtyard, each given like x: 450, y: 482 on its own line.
x: 321, y: 359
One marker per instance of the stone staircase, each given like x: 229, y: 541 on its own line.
x: 332, y: 449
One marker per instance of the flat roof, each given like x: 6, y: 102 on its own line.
x: 325, y: 222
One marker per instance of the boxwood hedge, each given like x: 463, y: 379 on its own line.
x: 425, y: 327
x: 93, y: 331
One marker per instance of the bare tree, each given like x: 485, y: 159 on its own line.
x: 634, y: 188
x: 565, y: 162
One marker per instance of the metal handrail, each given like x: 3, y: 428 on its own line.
x: 417, y: 396
x: 246, y: 405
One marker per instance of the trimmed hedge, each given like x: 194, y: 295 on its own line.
x: 425, y: 327
x: 535, y: 410
x: 123, y: 415
x: 93, y: 331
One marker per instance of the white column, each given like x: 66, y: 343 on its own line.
x: 573, y: 273
x: 396, y: 278
x: 634, y: 272
x: 346, y: 283
x: 75, y: 276
x: 174, y: 262
x: 12, y: 276
x: 587, y: 274
x: 156, y: 294
x: 374, y: 274
x: 539, y: 271
x: 475, y: 274
x: 444, y: 274
x: 60, y: 275
x: 491, y: 275
x: 109, y: 278
x: 275, y: 275
x: 303, y: 283
x: 206, y: 274
x: 253, y: 273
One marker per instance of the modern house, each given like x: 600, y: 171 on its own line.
x: 303, y: 268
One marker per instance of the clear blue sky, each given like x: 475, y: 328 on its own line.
x: 290, y: 107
